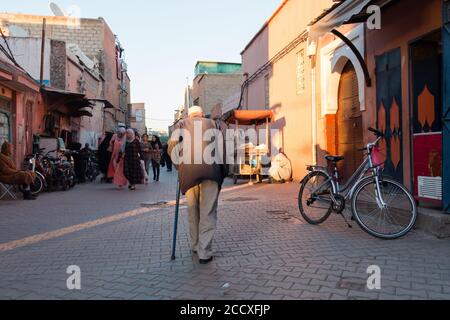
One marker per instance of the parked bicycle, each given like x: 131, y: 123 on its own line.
x: 381, y: 206
x: 32, y: 163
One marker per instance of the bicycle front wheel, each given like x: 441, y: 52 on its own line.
x: 314, y: 200
x: 390, y: 221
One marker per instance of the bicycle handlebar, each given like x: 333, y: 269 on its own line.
x: 377, y: 132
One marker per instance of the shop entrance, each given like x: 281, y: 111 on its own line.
x: 426, y: 86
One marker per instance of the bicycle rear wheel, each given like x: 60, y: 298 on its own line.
x: 36, y: 187
x: 394, y: 220
x: 314, y: 200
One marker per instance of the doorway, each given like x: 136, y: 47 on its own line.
x: 5, y: 123
x: 349, y: 124
x: 426, y: 91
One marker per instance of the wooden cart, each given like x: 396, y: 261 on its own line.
x: 247, y: 156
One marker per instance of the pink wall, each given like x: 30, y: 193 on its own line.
x: 111, y: 81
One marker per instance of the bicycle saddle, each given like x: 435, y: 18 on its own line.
x: 334, y: 158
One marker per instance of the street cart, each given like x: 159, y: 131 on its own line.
x: 248, y: 157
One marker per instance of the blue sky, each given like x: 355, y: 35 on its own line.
x: 164, y: 39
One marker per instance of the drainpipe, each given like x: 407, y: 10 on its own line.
x: 44, y: 23
x: 314, y: 115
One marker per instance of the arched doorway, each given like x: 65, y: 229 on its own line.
x: 349, y: 124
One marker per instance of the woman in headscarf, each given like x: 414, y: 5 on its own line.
x: 10, y: 175
x: 156, y: 149
x: 115, y: 147
x: 104, y: 156
x: 115, y: 171
x: 133, y: 157
x: 146, y: 152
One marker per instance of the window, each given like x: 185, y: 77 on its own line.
x: 139, y: 115
x: 4, y: 128
x: 300, y: 72
x: 267, y: 91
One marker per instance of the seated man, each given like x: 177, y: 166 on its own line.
x: 281, y: 169
x: 10, y: 175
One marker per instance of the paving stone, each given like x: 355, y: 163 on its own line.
x: 260, y: 257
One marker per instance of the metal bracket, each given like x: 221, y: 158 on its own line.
x: 358, y: 55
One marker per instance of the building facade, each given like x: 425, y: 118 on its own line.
x: 96, y: 41
x: 138, y: 117
x: 19, y: 100
x: 358, y: 64
x: 214, y: 83
x: 279, y: 76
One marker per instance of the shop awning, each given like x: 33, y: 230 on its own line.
x: 108, y: 105
x: 341, y: 13
x: 250, y: 117
x: 73, y: 104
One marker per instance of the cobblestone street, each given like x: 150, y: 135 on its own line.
x: 122, y: 244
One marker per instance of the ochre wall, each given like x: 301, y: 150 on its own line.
x: 293, y: 111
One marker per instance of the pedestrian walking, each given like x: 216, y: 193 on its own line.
x: 200, y: 182
x: 146, y: 152
x: 156, y: 149
x: 167, y: 158
x: 104, y: 155
x: 132, y: 161
x: 116, y: 165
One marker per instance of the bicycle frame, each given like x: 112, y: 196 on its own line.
x: 360, y: 174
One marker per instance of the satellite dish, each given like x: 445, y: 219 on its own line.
x: 57, y: 10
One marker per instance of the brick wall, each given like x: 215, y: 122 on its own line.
x: 88, y: 35
x: 213, y: 89
x: 93, y: 36
x: 58, y: 64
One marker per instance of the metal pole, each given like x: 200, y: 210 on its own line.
x: 44, y: 23
x: 175, y: 227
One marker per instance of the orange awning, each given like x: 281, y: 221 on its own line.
x: 250, y: 117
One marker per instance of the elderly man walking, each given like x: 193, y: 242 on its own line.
x: 201, y: 174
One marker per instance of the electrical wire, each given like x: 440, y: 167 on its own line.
x: 9, y: 54
x: 7, y: 45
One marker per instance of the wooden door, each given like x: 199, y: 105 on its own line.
x: 349, y: 125
x: 389, y: 111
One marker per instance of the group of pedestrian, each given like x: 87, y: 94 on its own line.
x: 152, y: 152
x: 125, y: 158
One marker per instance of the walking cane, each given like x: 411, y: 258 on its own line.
x: 175, y: 227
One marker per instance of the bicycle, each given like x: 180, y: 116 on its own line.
x: 381, y: 206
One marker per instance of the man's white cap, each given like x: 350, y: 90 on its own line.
x: 195, y: 111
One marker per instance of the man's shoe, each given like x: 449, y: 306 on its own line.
x: 202, y: 261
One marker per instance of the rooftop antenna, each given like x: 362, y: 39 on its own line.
x: 57, y: 10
